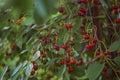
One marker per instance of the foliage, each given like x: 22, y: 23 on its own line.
x: 59, y: 40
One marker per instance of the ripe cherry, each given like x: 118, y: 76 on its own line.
x: 115, y: 11
x: 62, y: 10
x: 81, y: 14
x: 86, y: 37
x: 96, y: 53
x: 107, y: 53
x: 72, y: 61
x: 35, y: 67
x: 69, y: 26
x: 8, y: 54
x: 43, y: 55
x: 85, y: 1
x: 94, y: 40
x: 117, y: 21
x: 56, y: 48
x: 64, y: 46
x: 82, y: 27
x: 115, y: 7
x: 84, y: 10
x: 105, y: 69
x: 32, y: 73
x: 70, y: 70
x: 62, y: 62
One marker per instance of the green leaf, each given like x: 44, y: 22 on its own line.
x: 94, y: 70
x: 104, y: 3
x: 17, y: 69
x: 114, y: 46
x: 117, y: 60
x: 28, y: 69
x: 3, y: 72
x: 62, y: 71
x: 19, y: 41
x: 36, y: 56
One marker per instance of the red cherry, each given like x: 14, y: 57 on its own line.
x: 79, y: 1
x: 62, y: 62
x: 72, y: 61
x: 85, y: 1
x: 107, y: 53
x: 117, y: 21
x: 69, y: 26
x: 81, y: 14
x: 44, y: 55
x: 94, y: 40
x: 35, y: 67
x: 32, y: 73
x: 67, y: 60
x: 71, y: 43
x: 13, y: 46
x: 56, y: 47
x: 115, y: 11
x: 115, y: 7
x: 82, y: 27
x: 105, y: 69
x: 8, y: 54
x: 70, y: 70
x: 92, y: 45
x: 86, y: 37
x: 83, y: 10
x: 96, y: 53
x: 62, y: 10
x: 64, y: 46
x: 88, y: 46
x: 96, y: 2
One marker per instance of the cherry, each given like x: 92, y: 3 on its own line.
x: 105, y: 69
x: 115, y: 11
x: 61, y: 62
x: 69, y: 26
x: 72, y: 43
x: 64, y: 46
x: 94, y: 40
x: 82, y: 27
x: 8, y: 54
x: 85, y: 32
x: 67, y: 60
x: 83, y: 10
x: 91, y: 45
x: 72, y: 61
x: 79, y: 1
x: 85, y: 1
x: 62, y: 10
x: 115, y: 7
x: 43, y: 55
x: 80, y: 62
x: 81, y: 14
x: 13, y: 46
x: 32, y: 73
x: 117, y: 21
x: 70, y: 70
x: 97, y: 2
x: 56, y: 48
x: 35, y: 67
x: 86, y: 37
x: 96, y: 53
x: 107, y: 53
